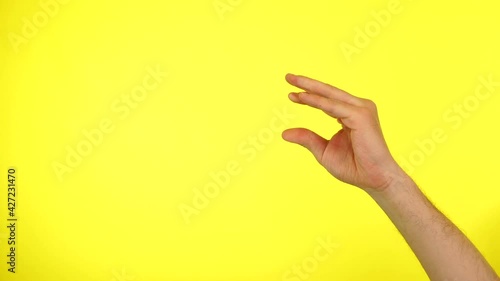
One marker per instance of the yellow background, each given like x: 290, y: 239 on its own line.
x: 116, y: 215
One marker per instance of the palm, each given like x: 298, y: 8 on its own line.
x: 338, y: 157
x: 347, y: 157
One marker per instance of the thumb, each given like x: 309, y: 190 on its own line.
x: 308, y: 139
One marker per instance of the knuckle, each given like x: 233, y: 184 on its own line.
x: 369, y: 103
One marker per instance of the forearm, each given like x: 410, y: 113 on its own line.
x: 443, y: 250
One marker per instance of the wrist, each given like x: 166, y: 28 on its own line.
x: 397, y: 181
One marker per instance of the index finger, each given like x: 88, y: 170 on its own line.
x: 322, y: 89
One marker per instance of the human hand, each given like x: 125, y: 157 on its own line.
x: 358, y: 153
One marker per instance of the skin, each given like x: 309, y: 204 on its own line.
x: 358, y: 155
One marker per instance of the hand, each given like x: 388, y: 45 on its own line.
x: 358, y: 153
